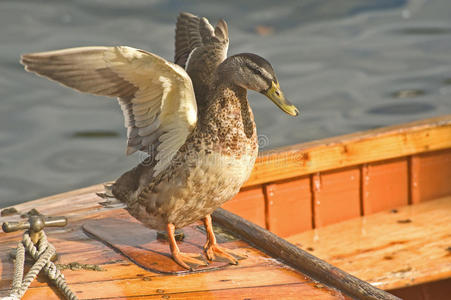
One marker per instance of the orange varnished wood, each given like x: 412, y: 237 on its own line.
x: 143, y: 248
x: 289, y: 206
x: 433, y: 177
x: 122, y: 269
x: 146, y: 283
x: 158, y: 285
x: 205, y: 284
x: 384, y: 185
x: 388, y: 249
x: 117, y: 267
x: 384, y: 167
x: 249, y: 204
x: 336, y: 196
x: 352, y: 149
x: 122, y: 278
x: 74, y: 204
x: 72, y: 242
x: 414, y: 171
x: 289, y: 291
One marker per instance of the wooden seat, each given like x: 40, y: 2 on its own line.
x: 392, y: 249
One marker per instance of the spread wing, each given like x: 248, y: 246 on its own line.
x: 200, y: 48
x: 156, y: 96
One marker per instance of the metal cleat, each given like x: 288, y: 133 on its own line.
x: 35, y: 225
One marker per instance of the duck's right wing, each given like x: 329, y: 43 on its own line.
x: 156, y: 96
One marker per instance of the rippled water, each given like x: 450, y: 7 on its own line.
x: 348, y: 65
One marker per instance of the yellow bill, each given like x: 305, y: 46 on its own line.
x: 275, y: 94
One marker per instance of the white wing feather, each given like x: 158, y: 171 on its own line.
x: 156, y: 96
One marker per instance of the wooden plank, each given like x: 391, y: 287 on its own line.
x: 71, y: 242
x: 232, y: 277
x: 389, y: 249
x: 421, y: 139
x: 434, y: 175
x: 74, y: 204
x: 298, y: 259
x: 123, y: 278
x: 249, y: 204
x: 117, y: 267
x: 384, y: 185
x: 336, y: 196
x: 145, y: 249
x: 352, y: 149
x: 287, y: 291
x: 414, y: 172
x: 289, y: 206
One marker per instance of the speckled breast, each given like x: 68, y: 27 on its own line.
x: 197, y: 186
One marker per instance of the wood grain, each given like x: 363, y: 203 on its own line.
x: 389, y: 249
x: 298, y: 259
x: 289, y: 292
x: 144, y: 248
x: 249, y: 204
x: 384, y: 185
x: 233, y: 277
x: 433, y: 175
x: 289, y: 206
x: 336, y: 196
x: 258, y: 273
x: 388, y: 253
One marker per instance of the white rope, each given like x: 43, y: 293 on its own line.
x: 42, y: 257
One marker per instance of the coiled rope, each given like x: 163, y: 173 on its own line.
x: 42, y: 255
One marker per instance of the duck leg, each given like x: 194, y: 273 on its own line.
x: 186, y: 260
x: 212, y: 249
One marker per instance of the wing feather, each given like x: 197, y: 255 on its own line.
x: 199, y: 49
x: 156, y: 96
x: 193, y: 32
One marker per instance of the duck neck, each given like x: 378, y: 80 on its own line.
x: 228, y: 119
x: 229, y: 71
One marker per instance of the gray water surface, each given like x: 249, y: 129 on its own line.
x: 348, y: 65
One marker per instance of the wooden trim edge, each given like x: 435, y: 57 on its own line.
x: 353, y: 149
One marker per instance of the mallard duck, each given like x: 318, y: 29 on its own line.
x: 192, y: 117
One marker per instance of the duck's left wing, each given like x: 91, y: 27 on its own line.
x: 197, y: 34
x: 156, y: 96
x: 199, y: 49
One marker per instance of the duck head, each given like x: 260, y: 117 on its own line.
x: 253, y: 72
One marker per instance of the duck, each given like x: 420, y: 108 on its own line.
x: 191, y: 117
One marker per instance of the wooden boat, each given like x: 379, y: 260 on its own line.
x: 376, y: 204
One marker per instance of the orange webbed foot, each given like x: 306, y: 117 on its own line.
x: 217, y: 253
x: 189, y: 261
x: 213, y: 251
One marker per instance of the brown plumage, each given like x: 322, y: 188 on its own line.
x: 191, y: 117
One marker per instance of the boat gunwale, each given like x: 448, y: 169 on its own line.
x: 349, y: 150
